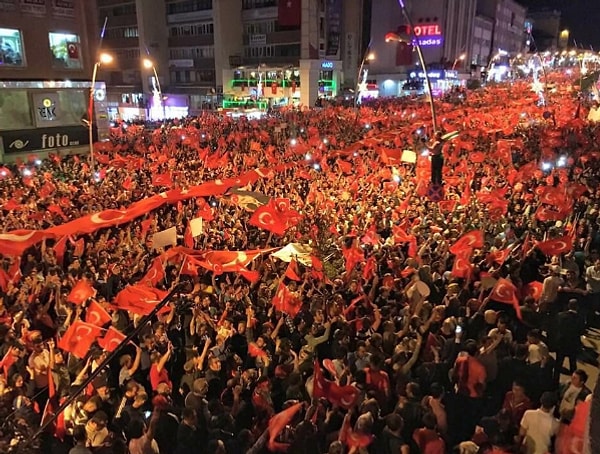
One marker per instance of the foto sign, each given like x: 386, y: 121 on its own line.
x: 41, y: 139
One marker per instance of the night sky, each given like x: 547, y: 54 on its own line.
x: 581, y: 17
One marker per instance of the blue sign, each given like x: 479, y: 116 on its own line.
x: 327, y: 65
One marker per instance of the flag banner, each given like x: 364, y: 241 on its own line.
x: 289, y: 13
x: 300, y: 252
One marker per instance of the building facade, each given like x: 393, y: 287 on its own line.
x: 47, y: 53
x: 545, y: 26
x: 235, y: 53
x: 508, y: 18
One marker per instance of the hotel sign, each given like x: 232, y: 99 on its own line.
x: 429, y: 34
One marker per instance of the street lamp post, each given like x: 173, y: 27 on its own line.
x: 103, y: 59
x: 459, y: 58
x: 148, y: 64
x: 369, y: 56
x: 415, y: 39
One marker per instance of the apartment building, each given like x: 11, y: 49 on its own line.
x: 231, y: 53
x: 47, y: 53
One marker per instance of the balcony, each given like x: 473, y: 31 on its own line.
x: 188, y: 41
x: 192, y: 16
x: 270, y: 61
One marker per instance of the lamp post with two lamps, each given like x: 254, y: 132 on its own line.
x: 149, y: 64
x: 103, y: 59
x: 369, y: 56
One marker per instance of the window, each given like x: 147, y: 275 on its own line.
x: 251, y: 4
x: 205, y: 28
x: 65, y: 50
x: 11, y: 48
x: 189, y: 6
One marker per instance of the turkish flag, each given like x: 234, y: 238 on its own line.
x: 369, y: 268
x: 462, y: 266
x: 111, y: 340
x: 344, y: 166
x: 204, y: 210
x: 546, y: 214
x: 285, y: 301
x: 354, y: 440
x: 353, y: 255
x: 73, y: 50
x: 14, y: 272
x: 155, y: 273
x: 268, y: 218
x: 8, y: 360
x: 471, y: 240
x: 190, y: 265
x: 82, y: 291
x: 534, y: 289
x: 499, y: 256
x: 317, y: 265
x: 251, y: 276
x: 556, y: 246
x: 255, y: 351
x: 289, y: 13
x: 79, y: 338
x: 79, y: 247
x: 4, y: 279
x: 162, y: 179
x: 277, y: 423
x: 127, y: 183
x: 292, y: 271
x: 14, y: 243
x: 371, y: 236
x: 505, y: 292
x: 51, y: 404
x: 341, y: 396
x: 228, y: 261
x: 140, y: 299
x: 97, y: 315
x: 11, y: 205
x: 188, y: 238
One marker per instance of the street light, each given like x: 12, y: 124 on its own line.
x: 369, y: 56
x: 149, y: 64
x: 461, y: 57
x: 103, y: 59
x: 405, y: 38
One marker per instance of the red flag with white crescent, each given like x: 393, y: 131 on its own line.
x: 97, y: 315
x: 81, y: 292
x: 556, y: 246
x: 79, y: 338
x: 471, y: 240
x: 111, y: 340
x: 505, y: 292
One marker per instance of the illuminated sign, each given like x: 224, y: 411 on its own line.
x: 327, y: 65
x: 429, y: 35
x: 427, y: 30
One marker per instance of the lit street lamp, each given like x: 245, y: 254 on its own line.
x: 148, y: 64
x: 103, y: 59
x: 461, y: 57
x: 369, y: 56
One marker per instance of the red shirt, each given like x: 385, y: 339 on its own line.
x: 429, y: 441
x: 156, y: 377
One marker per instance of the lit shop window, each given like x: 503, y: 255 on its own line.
x: 66, y: 50
x: 11, y: 48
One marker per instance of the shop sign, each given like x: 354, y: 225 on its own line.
x: 44, y: 139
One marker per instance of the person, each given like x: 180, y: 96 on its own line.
x: 142, y: 436
x: 571, y: 393
x: 187, y: 433
x: 437, y: 159
x: 539, y: 426
x: 516, y: 403
x: 80, y: 440
x: 570, y: 327
x: 391, y: 441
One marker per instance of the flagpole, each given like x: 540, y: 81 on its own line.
x: 111, y: 356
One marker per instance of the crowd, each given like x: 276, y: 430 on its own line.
x: 363, y: 310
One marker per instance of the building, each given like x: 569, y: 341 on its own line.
x: 508, y: 18
x: 481, y: 49
x: 47, y: 53
x: 445, y: 32
x: 545, y: 25
x: 207, y: 53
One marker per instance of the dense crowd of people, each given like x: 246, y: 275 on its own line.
x: 382, y: 314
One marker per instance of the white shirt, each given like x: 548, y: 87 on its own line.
x: 592, y: 277
x: 569, y: 399
x: 537, y: 352
x: 550, y: 289
x: 540, y: 427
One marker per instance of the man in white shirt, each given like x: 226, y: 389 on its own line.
x: 550, y: 288
x: 539, y: 426
x: 592, y: 278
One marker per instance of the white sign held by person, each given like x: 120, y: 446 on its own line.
x: 165, y: 238
x: 197, y: 227
x: 409, y: 156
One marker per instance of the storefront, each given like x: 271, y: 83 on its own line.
x: 45, y: 116
x: 442, y: 80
